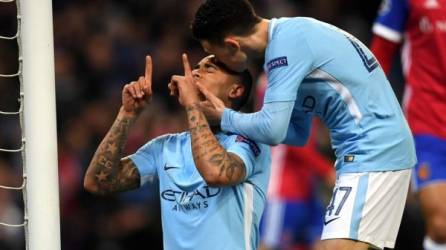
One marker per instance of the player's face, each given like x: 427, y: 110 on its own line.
x: 215, y: 76
x: 229, y: 54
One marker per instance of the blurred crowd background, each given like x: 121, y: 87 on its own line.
x: 100, y: 45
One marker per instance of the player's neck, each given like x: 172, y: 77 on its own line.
x: 255, y: 44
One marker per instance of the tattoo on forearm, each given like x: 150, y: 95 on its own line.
x: 218, y: 160
x: 110, y: 173
x: 234, y: 165
x: 208, y: 154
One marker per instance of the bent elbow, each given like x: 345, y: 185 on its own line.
x: 214, y: 179
x: 275, y: 135
x: 90, y: 186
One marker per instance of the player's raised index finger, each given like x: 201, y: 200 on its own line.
x: 148, y: 73
x: 186, y: 65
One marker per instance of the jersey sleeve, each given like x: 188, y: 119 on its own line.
x: 248, y: 150
x: 269, y: 125
x: 391, y: 21
x: 288, y: 61
x: 146, y: 159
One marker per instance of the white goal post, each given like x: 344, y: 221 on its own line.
x: 37, y: 52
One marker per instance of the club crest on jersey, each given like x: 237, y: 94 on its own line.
x: 252, y: 145
x: 349, y: 158
x: 277, y: 63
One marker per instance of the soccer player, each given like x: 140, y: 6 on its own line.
x: 422, y: 24
x: 315, y: 69
x: 293, y: 216
x: 212, y: 184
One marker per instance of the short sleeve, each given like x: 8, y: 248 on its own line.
x: 146, y: 159
x: 391, y: 21
x: 288, y: 61
x: 248, y: 150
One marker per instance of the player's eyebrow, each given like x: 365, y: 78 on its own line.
x: 197, y: 66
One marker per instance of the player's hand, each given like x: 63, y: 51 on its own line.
x: 137, y: 94
x: 173, y: 87
x: 213, y: 107
x: 185, y: 86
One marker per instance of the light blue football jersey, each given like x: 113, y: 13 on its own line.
x: 330, y: 74
x: 195, y: 215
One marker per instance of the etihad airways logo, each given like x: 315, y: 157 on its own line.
x: 186, y: 201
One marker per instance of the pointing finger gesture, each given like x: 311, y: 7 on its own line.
x: 187, y: 89
x: 147, y: 86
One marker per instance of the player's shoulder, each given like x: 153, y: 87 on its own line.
x: 172, y: 138
x: 299, y: 20
x: 298, y: 32
x: 287, y: 37
x: 286, y: 26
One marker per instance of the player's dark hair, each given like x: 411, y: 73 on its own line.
x: 246, y: 81
x: 216, y: 19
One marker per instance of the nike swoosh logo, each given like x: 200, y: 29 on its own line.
x: 166, y: 167
x: 328, y: 221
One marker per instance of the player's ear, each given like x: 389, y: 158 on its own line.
x: 231, y: 44
x: 236, y: 91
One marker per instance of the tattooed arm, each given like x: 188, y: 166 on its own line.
x: 107, y: 172
x: 217, y: 166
